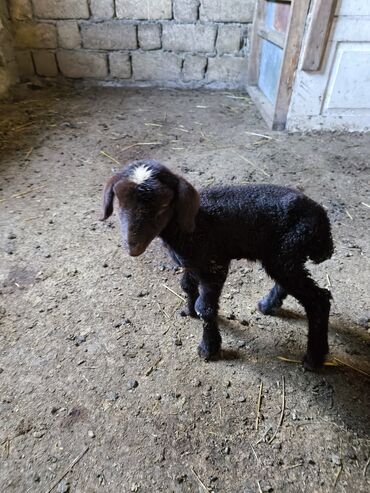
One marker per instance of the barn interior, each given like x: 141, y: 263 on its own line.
x: 101, y: 387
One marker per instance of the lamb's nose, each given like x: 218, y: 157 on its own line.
x: 135, y: 250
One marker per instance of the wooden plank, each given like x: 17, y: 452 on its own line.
x: 270, y: 68
x: 275, y: 37
x: 281, y: 21
x: 292, y: 50
x: 318, y: 34
x: 263, y: 104
x: 254, y: 55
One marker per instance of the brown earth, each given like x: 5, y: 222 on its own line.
x: 82, y: 323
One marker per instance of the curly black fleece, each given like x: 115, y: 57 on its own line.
x: 278, y: 226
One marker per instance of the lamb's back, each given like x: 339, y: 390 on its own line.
x: 250, y: 221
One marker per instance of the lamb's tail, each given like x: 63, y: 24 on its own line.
x: 321, y: 247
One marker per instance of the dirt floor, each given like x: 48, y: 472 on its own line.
x: 101, y: 388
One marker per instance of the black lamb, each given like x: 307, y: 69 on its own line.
x: 279, y: 226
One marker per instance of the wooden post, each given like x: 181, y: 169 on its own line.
x: 293, y: 41
x: 254, y: 55
x: 318, y: 34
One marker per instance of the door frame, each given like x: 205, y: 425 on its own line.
x: 276, y: 114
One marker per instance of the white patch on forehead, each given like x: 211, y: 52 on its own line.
x: 140, y: 174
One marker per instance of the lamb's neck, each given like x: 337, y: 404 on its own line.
x: 172, y: 236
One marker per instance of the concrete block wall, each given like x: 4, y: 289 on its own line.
x: 184, y: 43
x: 8, y: 65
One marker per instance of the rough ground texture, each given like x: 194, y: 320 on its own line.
x: 100, y: 383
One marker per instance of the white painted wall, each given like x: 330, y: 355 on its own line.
x: 338, y: 96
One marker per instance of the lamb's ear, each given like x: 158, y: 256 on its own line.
x: 187, y: 205
x: 108, y: 197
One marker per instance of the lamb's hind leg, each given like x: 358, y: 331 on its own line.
x: 189, y: 284
x: 270, y: 304
x: 316, y: 302
x: 206, y: 306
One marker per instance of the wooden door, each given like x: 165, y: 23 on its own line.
x: 336, y: 93
x: 272, y: 34
x: 275, y: 47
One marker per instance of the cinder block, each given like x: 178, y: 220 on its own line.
x: 6, y: 46
x: 8, y: 77
x: 156, y: 66
x: 189, y: 37
x: 4, y: 11
x: 4, y: 82
x: 45, y: 63
x: 2, y: 59
x: 20, y: 10
x: 25, y: 63
x: 228, y: 39
x: 186, y: 10
x: 194, y: 67
x: 68, y: 35
x: 111, y: 35
x: 120, y: 65
x: 81, y: 64
x: 61, y: 9
x: 102, y: 9
x: 227, y: 10
x: 144, y: 9
x: 41, y: 35
x: 227, y: 69
x: 149, y: 36
x: 6, y: 54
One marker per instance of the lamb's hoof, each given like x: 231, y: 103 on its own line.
x: 267, y: 308
x: 185, y: 312
x: 209, y: 354
x: 313, y: 363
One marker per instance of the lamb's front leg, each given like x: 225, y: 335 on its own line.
x: 206, y: 306
x: 189, y: 284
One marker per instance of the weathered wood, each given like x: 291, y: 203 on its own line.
x: 254, y: 55
x: 274, y: 37
x: 293, y: 42
x: 318, y: 34
x: 263, y: 104
x: 292, y: 47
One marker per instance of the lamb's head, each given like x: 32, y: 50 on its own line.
x: 149, y: 197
